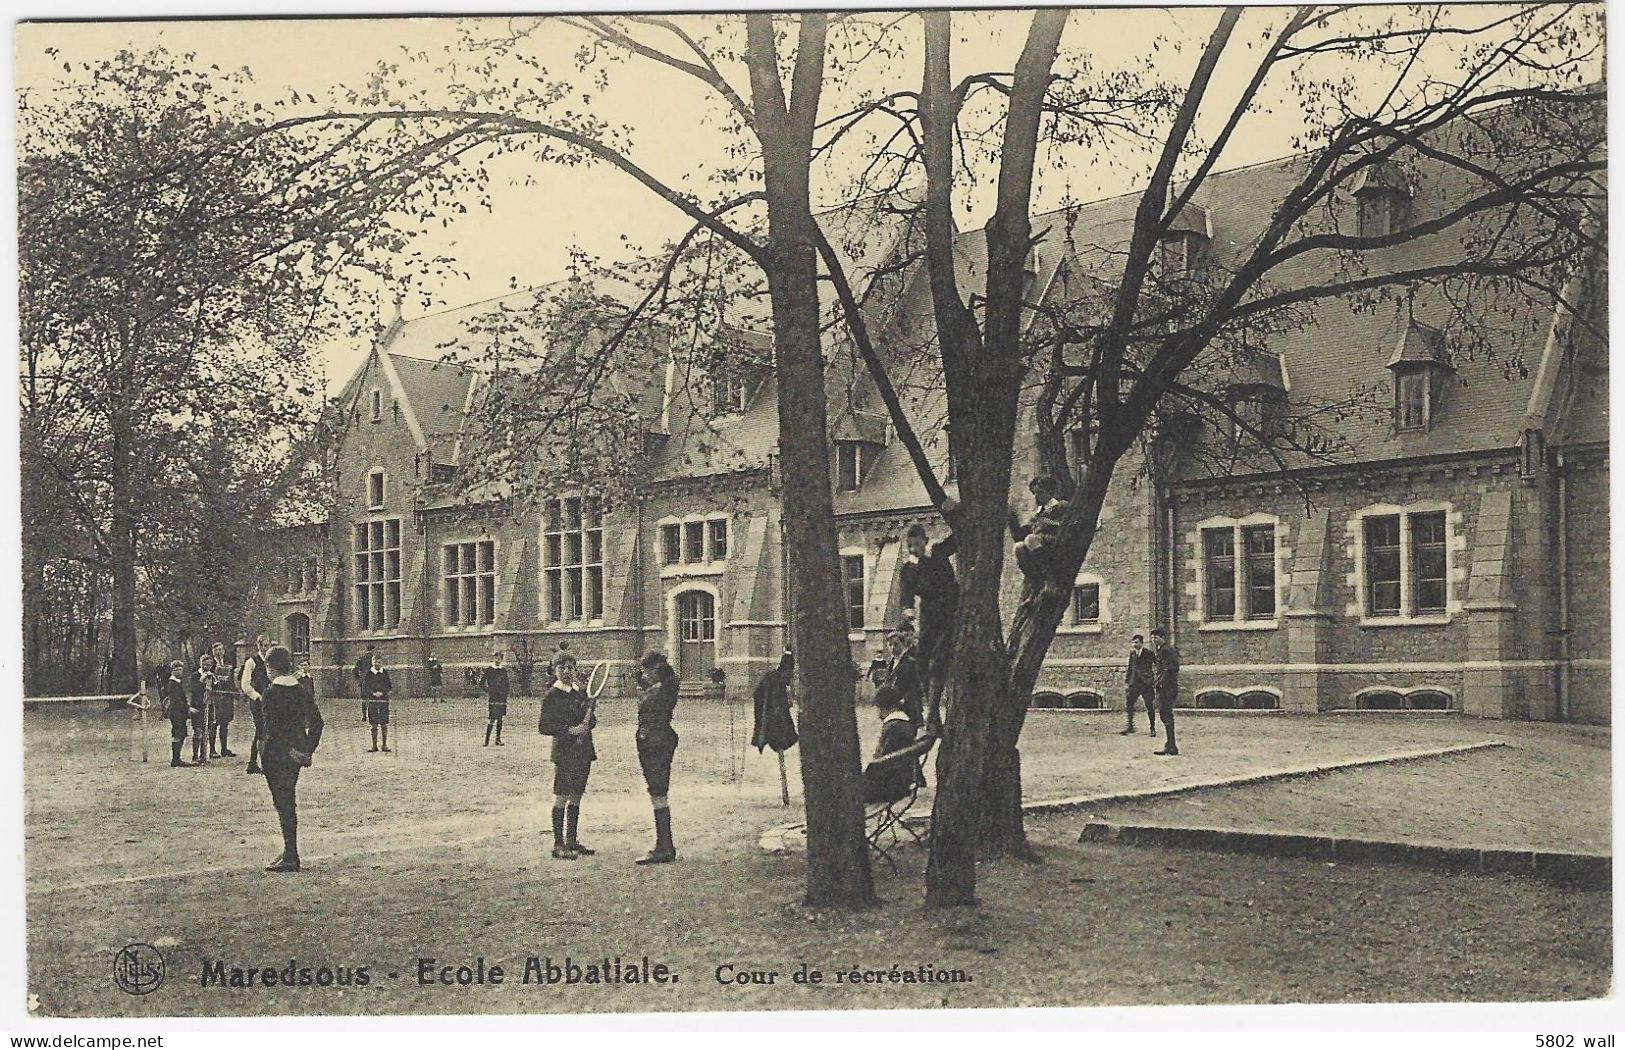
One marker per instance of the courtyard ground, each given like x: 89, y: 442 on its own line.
x: 439, y: 850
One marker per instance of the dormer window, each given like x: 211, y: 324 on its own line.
x: 1382, y: 195
x: 375, y: 490
x: 1259, y: 411
x: 442, y: 473
x: 1419, y: 366
x: 1180, y: 250
x: 852, y: 459
x: 377, y: 404
x: 730, y: 392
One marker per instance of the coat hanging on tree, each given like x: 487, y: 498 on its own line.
x: 775, y: 726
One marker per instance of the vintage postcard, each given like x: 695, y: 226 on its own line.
x: 855, y: 510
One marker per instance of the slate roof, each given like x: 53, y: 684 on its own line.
x: 1340, y: 351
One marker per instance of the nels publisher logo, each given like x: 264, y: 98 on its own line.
x: 138, y: 968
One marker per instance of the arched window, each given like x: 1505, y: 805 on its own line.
x: 1258, y: 700
x: 1428, y: 700
x: 1379, y: 700
x: 1047, y: 700
x: 1216, y: 700
x: 1086, y: 699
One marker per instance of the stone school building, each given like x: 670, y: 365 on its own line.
x: 1455, y: 558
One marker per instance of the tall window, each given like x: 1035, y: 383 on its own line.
x: 1239, y: 572
x: 1258, y: 541
x: 719, y: 538
x: 470, y: 584
x: 849, y: 464
x: 377, y: 405
x: 1411, y: 400
x: 852, y: 582
x: 1085, y: 604
x: 1428, y: 562
x: 573, y: 549
x: 1382, y: 562
x: 694, y: 541
x: 378, y: 574
x: 671, y: 544
x: 298, y: 632
x: 1219, y: 558
x: 375, y: 489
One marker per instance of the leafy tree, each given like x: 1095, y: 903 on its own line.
x: 177, y: 262
x: 1492, y: 104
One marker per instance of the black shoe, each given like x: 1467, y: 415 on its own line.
x: 1166, y: 751
x: 283, y: 864
x: 563, y: 853
x: 176, y: 763
x: 657, y: 856
x: 580, y: 850
x: 228, y: 754
x: 253, y: 769
x: 499, y: 743
x: 486, y: 744
x: 370, y: 750
x: 1127, y: 731
x: 385, y: 750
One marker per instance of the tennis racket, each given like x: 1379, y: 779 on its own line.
x: 597, y: 678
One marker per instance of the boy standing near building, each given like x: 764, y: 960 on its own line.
x: 1167, y: 686
x: 224, y: 698
x: 1142, y: 677
x: 494, y: 683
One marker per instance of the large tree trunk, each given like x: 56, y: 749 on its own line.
x: 121, y: 547
x: 1032, y: 630
x: 831, y: 772
x: 837, y: 855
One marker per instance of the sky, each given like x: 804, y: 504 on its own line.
x: 539, y: 213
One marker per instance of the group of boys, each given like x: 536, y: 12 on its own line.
x: 916, y: 662
x: 202, y: 703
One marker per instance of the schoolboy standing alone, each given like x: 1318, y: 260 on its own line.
x: 494, y: 682
x: 293, y: 729
x: 375, y: 689
x: 1167, y: 686
x: 1142, y: 677
x: 172, y: 694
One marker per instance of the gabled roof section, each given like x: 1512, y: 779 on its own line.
x: 1420, y: 345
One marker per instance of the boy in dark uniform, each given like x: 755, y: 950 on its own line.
x: 657, y: 744
x: 253, y: 680
x: 199, y: 687
x: 292, y: 731
x: 1142, y: 677
x: 904, y: 676
x: 928, y: 575
x: 172, y: 694
x: 1166, y: 685
x: 494, y: 683
x: 375, y: 689
x: 573, y: 756
x: 223, y: 697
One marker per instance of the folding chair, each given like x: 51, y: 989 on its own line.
x: 891, y: 785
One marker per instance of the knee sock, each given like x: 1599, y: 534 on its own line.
x: 175, y: 750
x: 499, y: 730
x: 572, y: 817
x: 558, y: 827
x: 488, y: 727
x: 663, y: 840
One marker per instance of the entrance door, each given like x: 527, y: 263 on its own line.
x: 696, y: 635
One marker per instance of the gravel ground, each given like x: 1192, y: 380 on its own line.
x: 439, y: 850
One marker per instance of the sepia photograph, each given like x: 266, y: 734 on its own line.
x: 654, y: 512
